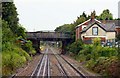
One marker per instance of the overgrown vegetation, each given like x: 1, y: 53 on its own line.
x: 97, y: 58
x: 15, y: 53
x: 75, y: 47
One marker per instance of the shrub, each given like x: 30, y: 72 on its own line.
x: 75, y: 47
x: 28, y: 47
x: 96, y: 41
x: 12, y: 61
x: 85, y: 53
x: 12, y: 58
x: 108, y: 52
x: 90, y: 64
x: 103, y: 63
x: 96, y: 52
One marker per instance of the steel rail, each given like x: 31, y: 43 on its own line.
x: 45, y: 66
x: 79, y: 72
x: 48, y: 67
x: 61, y: 66
x: 72, y: 66
x: 42, y: 66
x: 34, y: 72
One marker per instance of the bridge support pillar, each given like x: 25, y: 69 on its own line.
x: 64, y: 43
x: 36, y: 45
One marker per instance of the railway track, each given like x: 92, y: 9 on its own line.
x: 66, y: 69
x: 43, y: 67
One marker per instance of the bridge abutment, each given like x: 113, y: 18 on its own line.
x: 64, y: 43
x: 36, y: 45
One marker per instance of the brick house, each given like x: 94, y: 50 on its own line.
x: 92, y: 28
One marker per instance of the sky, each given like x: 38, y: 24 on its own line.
x: 40, y: 15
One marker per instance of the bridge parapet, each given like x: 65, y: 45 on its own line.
x: 44, y: 35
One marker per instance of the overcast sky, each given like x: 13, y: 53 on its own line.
x: 36, y: 15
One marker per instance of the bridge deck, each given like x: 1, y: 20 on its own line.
x: 48, y: 35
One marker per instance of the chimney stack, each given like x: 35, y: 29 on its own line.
x: 93, y: 16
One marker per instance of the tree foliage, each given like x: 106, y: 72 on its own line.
x: 7, y: 35
x: 21, y: 31
x: 106, y: 15
x: 9, y: 14
x: 65, y: 28
x: 80, y: 19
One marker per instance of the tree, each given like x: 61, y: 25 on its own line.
x: 21, y: 31
x: 9, y: 14
x: 80, y: 19
x: 106, y: 15
x: 7, y: 35
x: 64, y: 28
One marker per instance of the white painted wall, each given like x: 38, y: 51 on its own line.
x: 110, y: 35
x: 101, y: 32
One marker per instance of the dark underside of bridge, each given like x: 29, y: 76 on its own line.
x: 36, y: 43
x: 36, y: 37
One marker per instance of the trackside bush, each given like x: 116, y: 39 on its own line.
x: 75, y: 47
x: 98, y: 58
x: 13, y: 58
x: 28, y: 47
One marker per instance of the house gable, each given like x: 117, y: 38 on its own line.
x: 92, y: 24
x: 101, y: 31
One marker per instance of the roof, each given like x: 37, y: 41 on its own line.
x: 109, y: 27
x: 117, y: 22
x: 82, y: 23
x: 89, y: 22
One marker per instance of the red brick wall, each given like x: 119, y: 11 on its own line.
x: 86, y: 38
x: 76, y: 33
x: 91, y: 38
x: 80, y: 28
x: 103, y: 39
x: 118, y: 30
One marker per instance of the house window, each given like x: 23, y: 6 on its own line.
x: 95, y: 31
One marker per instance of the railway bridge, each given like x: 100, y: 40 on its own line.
x: 38, y: 36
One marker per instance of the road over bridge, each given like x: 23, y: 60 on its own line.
x: 38, y: 36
